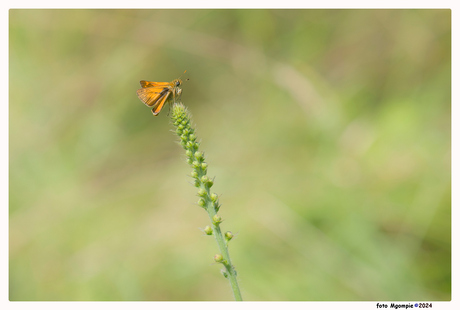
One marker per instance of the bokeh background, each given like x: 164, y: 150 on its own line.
x: 328, y: 132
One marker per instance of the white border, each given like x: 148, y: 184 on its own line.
x: 5, y: 304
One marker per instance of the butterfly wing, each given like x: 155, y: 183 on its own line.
x: 151, y: 95
x: 160, y: 103
x: 145, y: 84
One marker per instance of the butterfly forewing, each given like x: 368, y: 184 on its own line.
x: 154, y: 84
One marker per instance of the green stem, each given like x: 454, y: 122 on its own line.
x: 208, y: 201
x: 231, y: 272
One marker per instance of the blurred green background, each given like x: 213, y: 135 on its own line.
x: 328, y: 132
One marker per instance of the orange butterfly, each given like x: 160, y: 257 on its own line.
x: 156, y: 94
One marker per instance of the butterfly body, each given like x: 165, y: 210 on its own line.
x: 156, y: 94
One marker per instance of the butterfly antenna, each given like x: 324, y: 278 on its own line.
x: 183, y: 74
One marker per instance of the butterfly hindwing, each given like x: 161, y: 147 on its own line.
x: 149, y: 96
x: 160, y: 103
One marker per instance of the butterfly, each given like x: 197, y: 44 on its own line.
x: 156, y: 94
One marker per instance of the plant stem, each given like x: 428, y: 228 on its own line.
x: 208, y: 201
x: 231, y: 272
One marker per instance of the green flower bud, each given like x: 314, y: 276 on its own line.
x: 210, y: 183
x: 197, y: 183
x: 181, y: 127
x: 228, y: 236
x: 178, y: 131
x: 204, y: 179
x: 218, y: 258
x: 202, y: 192
x: 216, y: 219
x: 201, y: 202
x: 204, y: 166
x: 183, y: 137
x: 189, y: 161
x: 189, y: 144
x: 194, y: 174
x: 208, y: 230
x: 184, y: 122
x: 224, y: 273
x: 192, y: 137
x: 199, y: 155
x: 188, y: 153
x: 214, y: 197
